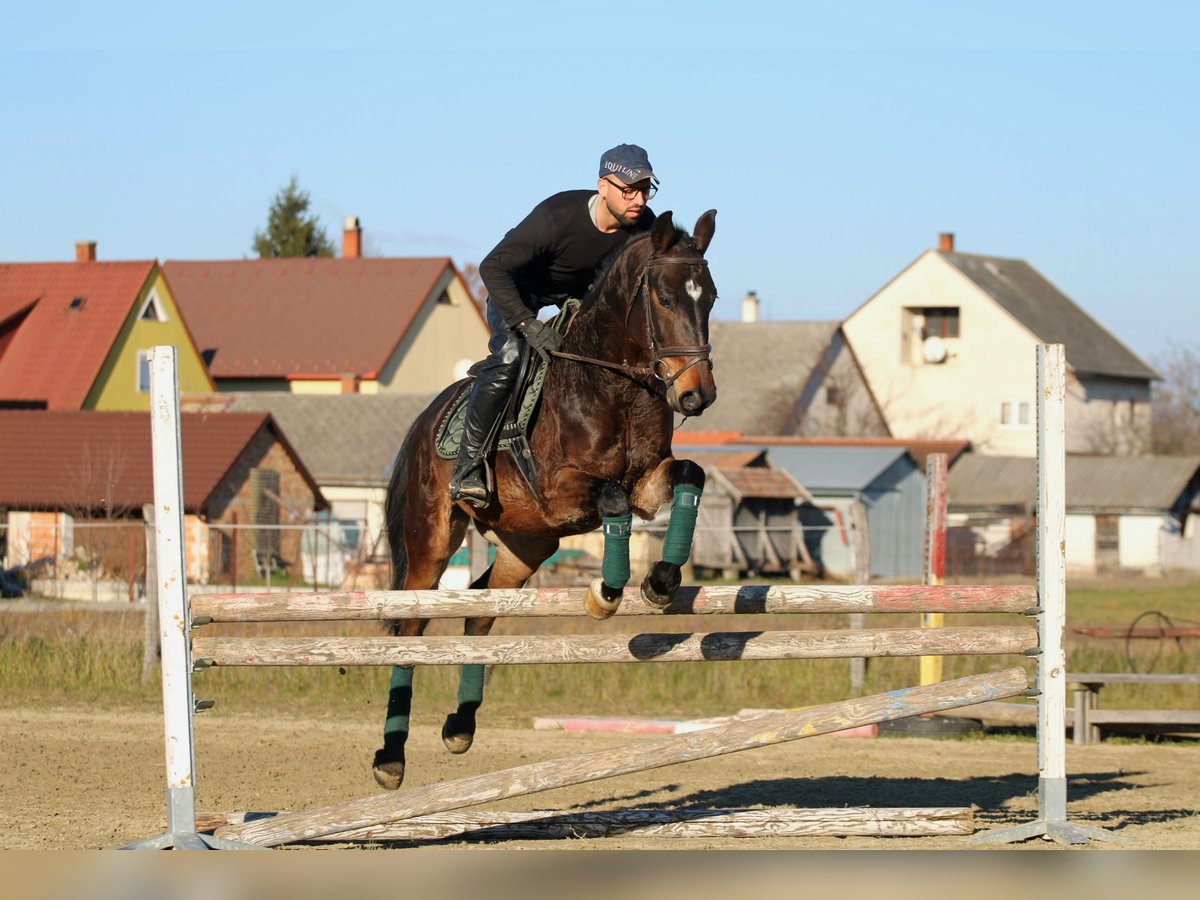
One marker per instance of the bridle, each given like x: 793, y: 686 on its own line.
x: 698, y: 352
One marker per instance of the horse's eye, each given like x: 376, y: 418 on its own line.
x: 664, y: 301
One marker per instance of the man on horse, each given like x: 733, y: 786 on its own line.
x: 549, y: 257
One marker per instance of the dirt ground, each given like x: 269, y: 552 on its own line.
x: 72, y: 779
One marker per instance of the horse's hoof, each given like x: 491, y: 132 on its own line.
x: 662, y: 581
x: 600, y: 602
x: 458, y: 734
x: 388, y: 768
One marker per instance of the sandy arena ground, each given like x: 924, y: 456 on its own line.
x: 73, y: 779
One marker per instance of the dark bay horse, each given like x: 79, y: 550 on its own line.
x: 636, y: 354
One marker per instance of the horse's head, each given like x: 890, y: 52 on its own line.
x: 679, y: 297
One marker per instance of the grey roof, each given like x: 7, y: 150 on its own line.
x: 1093, y: 482
x: 824, y: 469
x: 761, y: 369
x: 1051, y: 315
x: 342, y: 438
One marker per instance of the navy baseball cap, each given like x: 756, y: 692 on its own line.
x: 628, y: 162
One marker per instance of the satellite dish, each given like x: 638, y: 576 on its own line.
x: 462, y: 367
x: 934, y: 349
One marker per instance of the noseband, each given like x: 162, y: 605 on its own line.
x: 699, y: 352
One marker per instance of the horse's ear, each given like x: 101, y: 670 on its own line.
x: 662, y: 233
x: 705, y: 226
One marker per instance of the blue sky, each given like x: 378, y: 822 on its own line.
x: 836, y: 140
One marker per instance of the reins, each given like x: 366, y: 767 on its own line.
x: 641, y: 373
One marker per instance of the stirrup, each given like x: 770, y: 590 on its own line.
x: 473, y: 488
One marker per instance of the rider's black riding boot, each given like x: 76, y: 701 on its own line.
x: 485, y: 405
x: 494, y: 380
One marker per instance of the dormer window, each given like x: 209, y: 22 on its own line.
x: 152, y: 309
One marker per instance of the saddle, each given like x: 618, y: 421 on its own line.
x: 520, y: 414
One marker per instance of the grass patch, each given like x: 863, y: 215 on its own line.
x: 68, y: 657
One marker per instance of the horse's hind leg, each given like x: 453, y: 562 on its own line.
x: 458, y: 732
x: 686, y: 484
x: 428, y: 552
x: 517, y: 558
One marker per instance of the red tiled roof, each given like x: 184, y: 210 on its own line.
x: 761, y: 482
x: 725, y: 459
x: 96, y: 460
x: 56, y: 353
x: 279, y: 318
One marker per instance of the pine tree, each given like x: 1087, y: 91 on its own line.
x: 290, y: 230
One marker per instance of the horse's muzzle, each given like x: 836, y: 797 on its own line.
x: 691, y: 402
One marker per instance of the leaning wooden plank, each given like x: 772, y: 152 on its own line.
x: 606, y: 648
x: 703, y: 600
x: 673, y: 823
x: 649, y: 754
x: 1144, y: 717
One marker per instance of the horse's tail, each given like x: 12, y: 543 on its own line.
x: 394, y: 511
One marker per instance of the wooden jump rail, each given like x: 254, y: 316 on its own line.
x: 710, y: 600
x: 1045, y: 645
x: 609, y: 648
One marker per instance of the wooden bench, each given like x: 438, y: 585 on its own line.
x: 1089, y: 717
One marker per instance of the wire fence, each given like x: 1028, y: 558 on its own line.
x: 59, y: 557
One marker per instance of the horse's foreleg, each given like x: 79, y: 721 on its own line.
x: 662, y: 581
x: 458, y: 733
x: 616, y: 514
x: 388, y: 765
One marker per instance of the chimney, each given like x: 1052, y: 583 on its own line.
x: 85, y: 251
x: 750, y: 307
x: 946, y: 241
x: 352, y: 239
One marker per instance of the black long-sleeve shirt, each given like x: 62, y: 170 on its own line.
x: 550, y: 256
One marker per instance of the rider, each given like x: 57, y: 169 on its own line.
x: 550, y: 256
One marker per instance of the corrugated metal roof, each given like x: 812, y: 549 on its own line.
x: 1051, y: 315
x: 275, y: 318
x: 823, y: 469
x: 346, y: 438
x: 1093, y: 482
x: 102, y: 460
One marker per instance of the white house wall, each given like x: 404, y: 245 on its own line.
x: 1140, y: 542
x: 1081, y: 544
x: 992, y: 361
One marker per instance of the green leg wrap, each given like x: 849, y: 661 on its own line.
x: 677, y: 545
x: 614, y: 569
x: 470, y: 685
x: 395, y: 727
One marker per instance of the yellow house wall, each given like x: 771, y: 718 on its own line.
x: 444, y: 340
x: 992, y: 360
x: 116, y: 387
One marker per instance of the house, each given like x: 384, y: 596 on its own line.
x: 76, y: 335
x: 947, y: 347
x: 1132, y: 513
x: 885, y: 480
x: 749, y: 522
x: 347, y: 441
x: 786, y: 378
x: 331, y: 325
x: 66, y: 476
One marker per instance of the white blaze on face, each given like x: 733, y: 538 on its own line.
x: 693, y: 289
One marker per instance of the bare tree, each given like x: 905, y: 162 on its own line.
x: 95, y: 489
x: 1176, y: 402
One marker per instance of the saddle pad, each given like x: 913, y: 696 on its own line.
x: 450, y: 429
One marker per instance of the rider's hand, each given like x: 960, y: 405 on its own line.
x: 541, y: 337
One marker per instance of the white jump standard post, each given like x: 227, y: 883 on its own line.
x: 1052, y: 615
x: 174, y: 621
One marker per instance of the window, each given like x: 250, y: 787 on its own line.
x: 833, y: 395
x: 940, y: 321
x: 143, y: 371
x: 152, y: 309
x: 1015, y: 414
